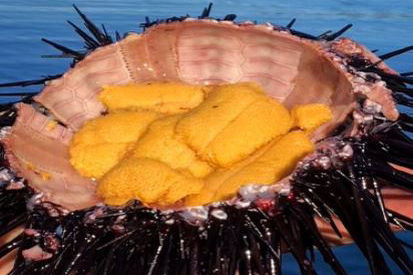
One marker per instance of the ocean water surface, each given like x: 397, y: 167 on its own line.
x: 378, y: 24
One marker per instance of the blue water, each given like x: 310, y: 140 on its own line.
x: 379, y: 24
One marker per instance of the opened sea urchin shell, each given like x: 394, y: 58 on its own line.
x: 291, y: 69
x: 245, y: 234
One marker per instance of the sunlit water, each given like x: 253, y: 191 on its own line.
x: 383, y: 25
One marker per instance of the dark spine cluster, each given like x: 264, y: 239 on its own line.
x: 13, y: 193
x: 138, y: 240
x: 351, y: 191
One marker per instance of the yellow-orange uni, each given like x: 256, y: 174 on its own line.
x: 102, y: 142
x: 149, y: 180
x: 161, y: 143
x: 167, y: 98
x: 164, y: 143
x: 233, y: 122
